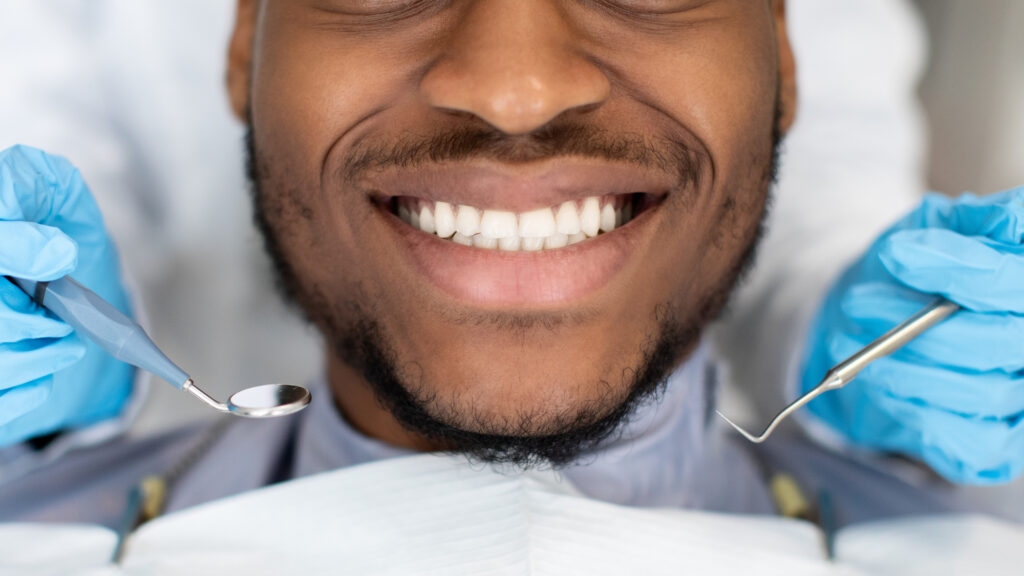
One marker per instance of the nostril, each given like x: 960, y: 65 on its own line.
x: 512, y: 96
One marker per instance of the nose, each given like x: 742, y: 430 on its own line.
x: 513, y: 64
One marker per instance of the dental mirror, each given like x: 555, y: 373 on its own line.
x: 266, y: 401
x: 121, y: 337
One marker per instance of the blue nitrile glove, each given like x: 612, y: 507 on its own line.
x: 50, y: 226
x: 953, y: 397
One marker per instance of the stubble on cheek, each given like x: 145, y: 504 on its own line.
x: 286, y: 211
x: 740, y: 222
x: 733, y: 209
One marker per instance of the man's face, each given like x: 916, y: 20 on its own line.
x: 608, y: 160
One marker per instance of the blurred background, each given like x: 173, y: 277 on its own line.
x: 973, y: 94
x: 132, y: 93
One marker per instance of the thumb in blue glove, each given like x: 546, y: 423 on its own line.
x: 50, y: 226
x: 954, y: 397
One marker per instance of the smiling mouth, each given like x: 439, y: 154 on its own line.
x: 535, y: 237
x: 551, y: 228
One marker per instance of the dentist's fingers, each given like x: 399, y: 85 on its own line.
x: 964, y: 269
x: 28, y: 360
x: 998, y: 217
x: 16, y: 402
x: 21, y: 318
x: 964, y: 450
x: 967, y: 340
x: 992, y: 394
x: 35, y: 252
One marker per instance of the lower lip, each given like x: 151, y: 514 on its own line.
x: 494, y: 278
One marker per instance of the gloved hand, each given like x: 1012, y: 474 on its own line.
x: 50, y: 226
x: 953, y: 397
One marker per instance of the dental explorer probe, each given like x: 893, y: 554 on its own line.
x: 844, y: 372
x: 96, y: 319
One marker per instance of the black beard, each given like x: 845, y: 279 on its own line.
x: 361, y: 343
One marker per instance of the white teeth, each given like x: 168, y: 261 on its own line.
x: 510, y: 244
x: 427, y: 220
x: 544, y: 229
x: 532, y: 244
x: 498, y: 224
x: 444, y: 219
x: 537, y: 224
x: 481, y: 241
x: 467, y: 221
x: 556, y: 241
x: 568, y: 218
x: 607, y: 218
x: 590, y: 217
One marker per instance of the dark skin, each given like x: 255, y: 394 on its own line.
x: 318, y: 79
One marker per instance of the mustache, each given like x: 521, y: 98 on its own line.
x: 553, y: 141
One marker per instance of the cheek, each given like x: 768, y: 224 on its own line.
x: 311, y: 90
x: 720, y: 85
x: 303, y: 104
x: 719, y: 81
x: 312, y: 86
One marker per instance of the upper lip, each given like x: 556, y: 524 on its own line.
x: 515, y: 187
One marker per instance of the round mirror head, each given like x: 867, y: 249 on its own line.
x: 268, y: 401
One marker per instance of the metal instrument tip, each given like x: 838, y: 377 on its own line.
x: 747, y: 435
x: 841, y: 374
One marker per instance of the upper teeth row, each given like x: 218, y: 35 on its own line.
x: 567, y: 224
